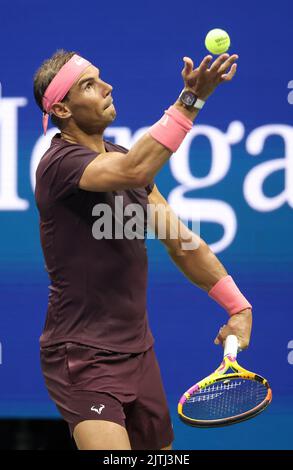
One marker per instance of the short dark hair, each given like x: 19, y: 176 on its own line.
x: 45, y: 75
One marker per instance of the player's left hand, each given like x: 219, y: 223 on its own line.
x: 204, y: 79
x: 240, y: 325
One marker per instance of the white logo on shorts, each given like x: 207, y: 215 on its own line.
x: 98, y: 410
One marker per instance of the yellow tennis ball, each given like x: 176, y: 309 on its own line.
x: 217, y: 41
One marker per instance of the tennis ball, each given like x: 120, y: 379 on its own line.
x: 217, y: 41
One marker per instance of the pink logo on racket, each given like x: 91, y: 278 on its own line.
x: 222, y: 366
x: 232, y: 358
x: 193, y: 389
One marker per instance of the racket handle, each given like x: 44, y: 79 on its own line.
x: 231, y: 346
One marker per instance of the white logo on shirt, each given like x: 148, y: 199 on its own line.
x: 98, y: 410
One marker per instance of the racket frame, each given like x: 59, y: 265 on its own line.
x: 229, y: 362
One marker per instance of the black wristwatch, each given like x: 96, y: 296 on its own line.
x: 190, y: 100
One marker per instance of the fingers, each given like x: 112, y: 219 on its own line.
x: 222, y: 64
x: 207, y: 76
x: 243, y: 343
x: 227, y: 64
x: 225, y: 331
x: 188, y: 64
x: 218, y: 62
x: 228, y: 76
x: 221, y: 336
x: 204, y: 65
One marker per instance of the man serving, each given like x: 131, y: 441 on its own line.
x: 97, y: 350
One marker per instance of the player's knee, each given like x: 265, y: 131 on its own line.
x: 101, y: 435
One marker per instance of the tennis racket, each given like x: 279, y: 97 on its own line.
x: 225, y: 398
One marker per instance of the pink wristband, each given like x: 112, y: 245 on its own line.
x: 227, y: 294
x: 171, y: 129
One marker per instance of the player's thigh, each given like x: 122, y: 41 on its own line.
x: 101, y: 435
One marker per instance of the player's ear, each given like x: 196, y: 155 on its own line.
x: 61, y: 110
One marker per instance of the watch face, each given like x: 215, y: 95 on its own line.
x: 188, y: 98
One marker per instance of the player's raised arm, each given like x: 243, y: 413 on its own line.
x: 140, y: 165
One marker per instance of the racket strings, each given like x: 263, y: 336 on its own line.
x: 207, y: 393
x: 224, y: 399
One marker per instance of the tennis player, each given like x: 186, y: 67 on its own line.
x: 97, y: 350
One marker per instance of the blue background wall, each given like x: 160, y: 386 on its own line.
x: 139, y: 47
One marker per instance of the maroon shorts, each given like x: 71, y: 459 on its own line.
x: 90, y: 383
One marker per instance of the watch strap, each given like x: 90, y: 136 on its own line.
x: 199, y: 104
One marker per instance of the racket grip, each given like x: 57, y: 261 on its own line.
x: 231, y: 346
